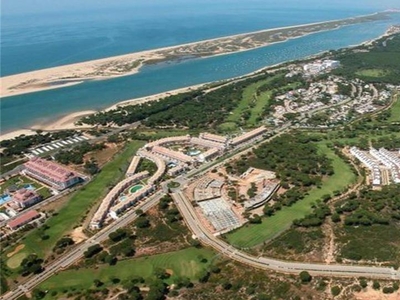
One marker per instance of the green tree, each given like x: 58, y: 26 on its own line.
x: 376, y: 285
x: 335, y: 290
x: 305, y: 277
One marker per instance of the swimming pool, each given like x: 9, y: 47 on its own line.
x: 4, y: 198
x: 135, y: 188
x: 29, y: 187
x: 194, y: 152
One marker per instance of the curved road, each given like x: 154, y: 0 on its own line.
x: 194, y: 224
x: 192, y: 220
x: 76, y: 253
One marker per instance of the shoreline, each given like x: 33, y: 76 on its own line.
x: 110, y: 67
x: 67, y: 121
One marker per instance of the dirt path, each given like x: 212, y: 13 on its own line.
x: 329, y: 253
x: 330, y: 249
x: 371, y: 294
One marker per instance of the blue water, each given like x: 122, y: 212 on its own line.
x: 4, y: 198
x: 29, y: 187
x: 32, y: 43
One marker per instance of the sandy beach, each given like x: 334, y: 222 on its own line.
x: 69, y: 121
x: 14, y: 134
x: 64, y: 123
x: 128, y: 64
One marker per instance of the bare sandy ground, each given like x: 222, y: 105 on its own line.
x: 13, y: 134
x: 371, y: 294
x: 16, y: 250
x: 155, y: 97
x: 78, y: 236
x: 66, y: 122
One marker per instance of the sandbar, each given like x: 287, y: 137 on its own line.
x: 128, y: 64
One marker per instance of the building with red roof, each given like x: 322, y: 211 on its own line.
x: 23, y: 219
x: 51, y: 173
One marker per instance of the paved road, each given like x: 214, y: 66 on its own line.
x: 236, y: 153
x: 192, y: 220
x: 206, y: 237
x: 76, y: 253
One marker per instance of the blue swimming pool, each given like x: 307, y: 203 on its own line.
x: 29, y: 187
x: 4, y: 198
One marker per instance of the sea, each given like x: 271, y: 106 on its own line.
x: 42, y: 40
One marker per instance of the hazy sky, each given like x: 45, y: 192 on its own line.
x: 11, y: 7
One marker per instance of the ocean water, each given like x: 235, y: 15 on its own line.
x: 32, y: 43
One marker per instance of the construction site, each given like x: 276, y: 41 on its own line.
x: 221, y: 199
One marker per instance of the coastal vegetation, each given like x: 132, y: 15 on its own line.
x: 369, y: 226
x: 281, y: 215
x: 76, y: 154
x: 375, y: 63
x: 243, y: 103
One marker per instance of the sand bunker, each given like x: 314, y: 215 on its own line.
x: 16, y: 250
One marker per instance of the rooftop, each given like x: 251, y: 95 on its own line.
x: 50, y: 169
x: 24, y: 218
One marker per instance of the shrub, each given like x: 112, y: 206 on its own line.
x: 388, y: 290
x: 376, y: 285
x: 335, y: 290
x: 305, y: 277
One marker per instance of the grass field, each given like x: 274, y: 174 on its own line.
x: 251, y: 102
x: 227, y: 126
x: 76, y: 208
x: 395, y: 111
x: 256, y: 111
x: 182, y: 263
x: 372, y: 73
x: 255, y: 234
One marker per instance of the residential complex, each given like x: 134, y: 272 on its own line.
x: 133, y: 166
x: 112, y: 197
x: 207, y: 143
x: 51, y: 173
x: 136, y: 186
x: 213, y: 137
x: 24, y: 198
x: 251, y: 135
x: 269, y: 189
x: 175, y: 156
x: 320, y: 66
x: 380, y: 163
x: 169, y: 140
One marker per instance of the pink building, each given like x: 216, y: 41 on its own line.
x: 51, y: 173
x: 23, y: 219
x: 25, y: 198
